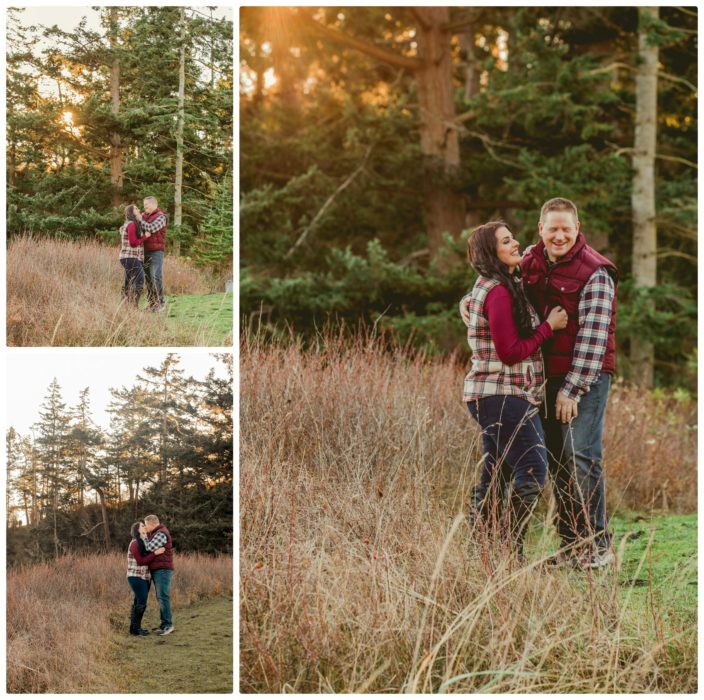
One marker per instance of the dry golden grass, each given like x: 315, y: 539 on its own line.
x: 59, y: 614
x: 359, y: 573
x: 68, y: 293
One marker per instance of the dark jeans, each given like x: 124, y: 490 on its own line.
x: 154, y: 275
x: 513, y: 445
x: 134, y: 279
x: 140, y: 588
x: 162, y: 582
x: 574, y: 453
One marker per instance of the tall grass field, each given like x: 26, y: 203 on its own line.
x: 360, y: 573
x: 68, y: 621
x: 67, y: 293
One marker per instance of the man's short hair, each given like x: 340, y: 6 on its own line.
x: 152, y: 197
x: 152, y: 519
x: 558, y: 204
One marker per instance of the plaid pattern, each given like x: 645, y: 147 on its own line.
x: 159, y: 540
x: 489, y: 376
x: 153, y: 226
x: 134, y: 569
x: 595, y: 304
x: 126, y: 250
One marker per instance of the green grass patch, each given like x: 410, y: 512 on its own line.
x: 658, y: 574
x: 210, y: 315
x: 669, y: 566
x: 195, y: 658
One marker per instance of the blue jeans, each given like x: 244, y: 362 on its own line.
x: 140, y: 588
x: 162, y: 582
x: 574, y: 453
x: 514, y: 458
x: 154, y: 276
x: 134, y: 279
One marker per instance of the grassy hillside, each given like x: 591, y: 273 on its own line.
x: 68, y: 293
x: 67, y: 622
x: 195, y: 658
x: 359, y: 572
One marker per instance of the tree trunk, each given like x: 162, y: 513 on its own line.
x: 443, y: 206
x: 471, y: 74
x: 12, y: 164
x: 643, y: 196
x: 178, y: 185
x: 104, y: 510
x: 116, y: 177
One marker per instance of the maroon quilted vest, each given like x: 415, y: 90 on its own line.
x: 562, y: 286
x: 157, y: 241
x: 165, y: 560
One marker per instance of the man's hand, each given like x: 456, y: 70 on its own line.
x: 161, y: 550
x: 147, y: 234
x: 565, y: 408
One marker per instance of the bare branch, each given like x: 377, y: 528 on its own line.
x: 328, y: 203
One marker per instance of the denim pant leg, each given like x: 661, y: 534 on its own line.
x: 154, y: 273
x: 162, y: 582
x: 513, y: 436
x: 575, y: 461
x: 493, y: 481
x: 134, y: 279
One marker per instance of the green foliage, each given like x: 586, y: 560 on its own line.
x: 59, y: 173
x: 550, y: 114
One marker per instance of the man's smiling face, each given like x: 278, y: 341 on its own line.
x: 559, y: 231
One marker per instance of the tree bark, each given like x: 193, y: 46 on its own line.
x: 178, y: 184
x: 444, y: 210
x: 104, y: 510
x: 443, y: 206
x: 116, y: 176
x: 643, y: 195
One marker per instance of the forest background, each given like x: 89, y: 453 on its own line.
x: 101, y: 117
x: 75, y: 486
x: 374, y: 139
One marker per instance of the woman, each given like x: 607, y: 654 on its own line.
x: 138, y: 576
x: 504, y: 388
x: 132, y: 255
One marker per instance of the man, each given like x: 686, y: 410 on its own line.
x: 161, y: 569
x: 154, y: 222
x: 562, y: 270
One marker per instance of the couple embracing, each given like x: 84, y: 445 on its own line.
x: 541, y: 329
x: 150, y: 560
x: 142, y: 243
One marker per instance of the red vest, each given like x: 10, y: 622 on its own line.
x: 157, y: 241
x: 165, y: 560
x: 562, y: 286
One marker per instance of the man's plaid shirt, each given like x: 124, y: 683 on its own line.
x: 126, y: 250
x: 134, y: 569
x: 154, y: 226
x: 489, y: 376
x: 159, y: 540
x: 594, y: 317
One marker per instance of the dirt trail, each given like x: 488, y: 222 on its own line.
x: 195, y: 658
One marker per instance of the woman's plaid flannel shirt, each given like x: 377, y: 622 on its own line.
x: 126, y: 250
x: 488, y: 375
x: 133, y: 568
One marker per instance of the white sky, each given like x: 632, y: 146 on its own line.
x: 29, y: 373
x: 67, y: 18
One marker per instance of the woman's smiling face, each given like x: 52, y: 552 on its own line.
x: 507, y: 248
x: 142, y: 529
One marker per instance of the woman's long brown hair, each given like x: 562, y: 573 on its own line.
x: 481, y: 253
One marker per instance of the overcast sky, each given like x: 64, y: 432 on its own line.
x: 67, y: 18
x: 29, y: 374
